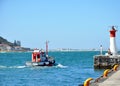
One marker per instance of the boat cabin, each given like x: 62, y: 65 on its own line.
x: 37, y: 55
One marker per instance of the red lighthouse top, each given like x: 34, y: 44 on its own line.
x: 112, y: 32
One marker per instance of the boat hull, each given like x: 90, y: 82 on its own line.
x: 47, y: 63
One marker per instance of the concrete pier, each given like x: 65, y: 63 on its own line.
x: 106, y: 61
x: 113, y: 79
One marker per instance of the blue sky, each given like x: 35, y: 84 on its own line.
x: 81, y: 24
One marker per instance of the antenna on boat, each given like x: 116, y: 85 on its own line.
x: 47, y: 47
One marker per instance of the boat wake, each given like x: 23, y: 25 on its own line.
x: 61, y: 66
x: 1, y: 66
x: 17, y: 66
x: 20, y: 67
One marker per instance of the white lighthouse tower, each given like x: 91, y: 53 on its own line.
x: 113, y: 47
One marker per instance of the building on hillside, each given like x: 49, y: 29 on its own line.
x: 17, y: 43
x: 5, y: 47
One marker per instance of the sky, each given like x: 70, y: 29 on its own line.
x: 77, y: 24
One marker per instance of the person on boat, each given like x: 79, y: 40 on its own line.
x: 109, y: 52
x: 43, y: 56
x: 42, y: 52
x: 43, y: 59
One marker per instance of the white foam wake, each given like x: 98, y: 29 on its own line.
x: 1, y: 66
x: 17, y: 66
x: 61, y: 66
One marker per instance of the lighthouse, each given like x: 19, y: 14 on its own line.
x: 113, y: 47
x: 111, y: 57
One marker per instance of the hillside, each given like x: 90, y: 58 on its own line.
x: 4, y: 41
x: 5, y: 45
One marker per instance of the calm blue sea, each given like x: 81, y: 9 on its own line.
x: 73, y: 69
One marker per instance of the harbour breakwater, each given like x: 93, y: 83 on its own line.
x: 109, y: 77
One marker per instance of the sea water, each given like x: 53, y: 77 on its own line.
x: 72, y: 69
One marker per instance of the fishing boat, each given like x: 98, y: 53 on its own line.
x: 41, y: 58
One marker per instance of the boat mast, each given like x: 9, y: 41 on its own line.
x: 46, y: 47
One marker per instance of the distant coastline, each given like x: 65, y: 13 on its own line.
x: 6, y: 46
x: 72, y: 50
